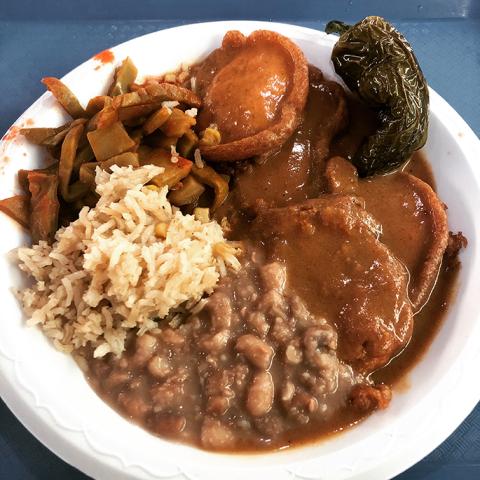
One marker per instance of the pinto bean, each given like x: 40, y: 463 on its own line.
x: 326, y: 382
x: 145, y: 348
x: 172, y: 338
x: 300, y: 311
x: 293, y: 354
x: 116, y: 378
x: 159, y: 366
x: 258, y: 323
x: 302, y: 404
x: 270, y: 426
x: 220, y: 310
x: 215, y: 343
x: 281, y: 332
x: 134, y: 405
x: 258, y: 352
x: 169, y: 394
x: 319, y: 342
x: 218, y: 391
x: 288, y: 391
x: 260, y: 394
x: 216, y: 435
x: 273, y: 303
x: 274, y: 276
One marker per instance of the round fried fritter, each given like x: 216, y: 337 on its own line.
x: 254, y: 89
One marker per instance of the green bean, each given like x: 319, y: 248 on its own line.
x: 127, y: 127
x: 89, y: 200
x: 76, y: 191
x: 87, y: 173
x: 159, y: 140
x: 143, y: 152
x: 169, y: 91
x: 123, y: 160
x: 137, y: 136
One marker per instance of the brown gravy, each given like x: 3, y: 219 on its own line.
x: 229, y: 378
x: 297, y: 165
x: 427, y: 323
x: 293, y: 183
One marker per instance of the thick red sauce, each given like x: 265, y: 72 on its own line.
x: 105, y: 56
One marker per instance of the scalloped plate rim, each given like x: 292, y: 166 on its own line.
x: 81, y: 455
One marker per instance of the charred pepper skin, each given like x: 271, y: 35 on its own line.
x: 377, y: 63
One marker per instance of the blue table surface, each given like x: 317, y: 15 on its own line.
x: 49, y: 38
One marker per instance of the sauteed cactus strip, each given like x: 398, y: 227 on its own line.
x: 130, y: 125
x: 210, y: 177
x: 65, y: 167
x: 44, y: 205
x: 177, y: 124
x: 124, y: 76
x: 96, y: 104
x: 156, y: 120
x: 46, y: 136
x: 18, y: 208
x: 87, y: 170
x: 110, y: 141
x: 173, y: 172
x: 65, y: 97
x: 189, y: 193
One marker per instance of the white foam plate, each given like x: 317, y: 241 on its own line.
x: 50, y: 396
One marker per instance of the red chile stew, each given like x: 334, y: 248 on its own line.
x: 338, y: 297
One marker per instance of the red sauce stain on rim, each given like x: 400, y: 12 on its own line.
x: 105, y: 56
x: 11, y: 134
x: 29, y: 122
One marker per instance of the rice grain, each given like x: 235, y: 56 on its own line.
x: 108, y: 272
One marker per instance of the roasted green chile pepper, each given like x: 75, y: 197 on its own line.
x: 377, y: 63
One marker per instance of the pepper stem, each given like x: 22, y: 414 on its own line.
x: 335, y: 26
